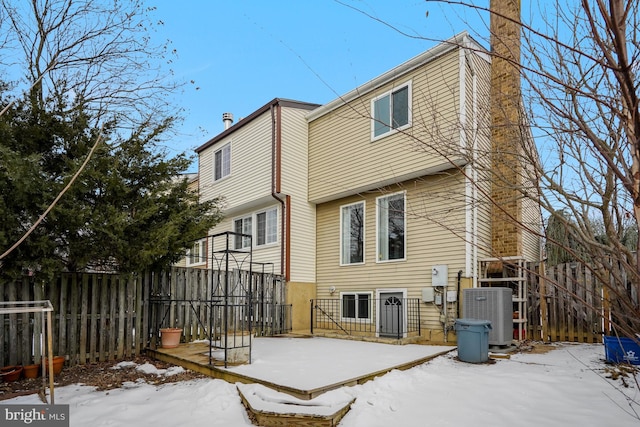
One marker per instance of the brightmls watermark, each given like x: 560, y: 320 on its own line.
x: 35, y: 415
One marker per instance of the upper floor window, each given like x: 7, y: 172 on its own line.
x: 391, y: 226
x: 261, y: 225
x: 352, y: 234
x: 267, y: 227
x: 243, y: 226
x: 391, y: 111
x: 222, y: 162
x: 197, y: 254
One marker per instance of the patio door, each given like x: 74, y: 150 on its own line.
x: 391, y: 314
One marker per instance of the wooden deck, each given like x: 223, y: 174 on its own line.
x: 194, y: 356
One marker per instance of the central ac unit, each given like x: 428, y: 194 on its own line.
x: 495, y: 305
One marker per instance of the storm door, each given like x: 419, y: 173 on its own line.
x: 391, y: 314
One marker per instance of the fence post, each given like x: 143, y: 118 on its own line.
x: 544, y: 308
x: 419, y: 322
x: 311, y: 315
x: 398, y: 332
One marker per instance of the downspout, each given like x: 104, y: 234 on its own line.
x: 459, y: 294
x: 472, y: 269
x: 276, y: 163
x: 474, y: 272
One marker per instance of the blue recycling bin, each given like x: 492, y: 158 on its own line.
x: 473, y: 340
x: 621, y: 350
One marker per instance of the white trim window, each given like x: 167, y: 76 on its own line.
x: 222, y: 162
x: 243, y: 226
x: 267, y: 227
x: 391, y: 227
x: 352, y: 234
x: 391, y: 111
x: 197, y: 254
x: 261, y: 225
x: 356, y: 306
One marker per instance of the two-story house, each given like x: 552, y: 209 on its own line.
x: 381, y: 202
x: 400, y: 173
x: 259, y: 167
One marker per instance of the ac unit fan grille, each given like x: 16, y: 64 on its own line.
x: 495, y: 305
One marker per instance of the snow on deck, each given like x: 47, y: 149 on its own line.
x: 313, y: 363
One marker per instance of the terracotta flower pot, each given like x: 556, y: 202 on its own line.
x: 11, y: 373
x: 58, y: 363
x: 170, y: 337
x: 31, y: 371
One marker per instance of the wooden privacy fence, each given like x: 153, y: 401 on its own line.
x: 565, y: 304
x: 96, y: 317
x: 100, y: 316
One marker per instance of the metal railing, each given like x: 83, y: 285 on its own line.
x: 397, y: 318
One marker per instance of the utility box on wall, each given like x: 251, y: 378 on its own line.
x: 439, y: 275
x: 428, y: 295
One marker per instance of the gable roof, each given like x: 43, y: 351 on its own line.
x: 243, y: 122
x: 461, y: 40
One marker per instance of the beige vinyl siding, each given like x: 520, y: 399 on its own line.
x: 531, y: 213
x: 248, y: 189
x: 344, y: 160
x: 294, y: 183
x: 482, y: 165
x: 434, y: 235
x: 250, y: 177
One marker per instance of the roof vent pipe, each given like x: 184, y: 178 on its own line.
x: 227, y: 119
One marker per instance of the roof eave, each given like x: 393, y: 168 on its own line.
x: 276, y: 101
x: 461, y: 40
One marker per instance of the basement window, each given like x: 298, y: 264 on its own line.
x: 356, y: 306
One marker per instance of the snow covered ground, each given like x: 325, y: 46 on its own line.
x: 565, y: 387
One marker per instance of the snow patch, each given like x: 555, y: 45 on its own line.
x: 264, y: 399
x: 125, y: 364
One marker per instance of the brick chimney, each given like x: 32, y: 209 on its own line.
x: 506, y: 133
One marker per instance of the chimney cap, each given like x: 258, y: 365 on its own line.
x: 227, y: 119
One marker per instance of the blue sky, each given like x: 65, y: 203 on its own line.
x: 243, y: 53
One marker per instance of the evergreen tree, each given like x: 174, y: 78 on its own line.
x: 128, y: 210
x: 92, y: 86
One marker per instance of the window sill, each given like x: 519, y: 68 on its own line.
x: 391, y: 132
x: 386, y: 261
x: 352, y: 264
x: 354, y: 320
x: 266, y: 245
x: 224, y: 178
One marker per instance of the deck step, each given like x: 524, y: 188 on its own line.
x: 269, y: 408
